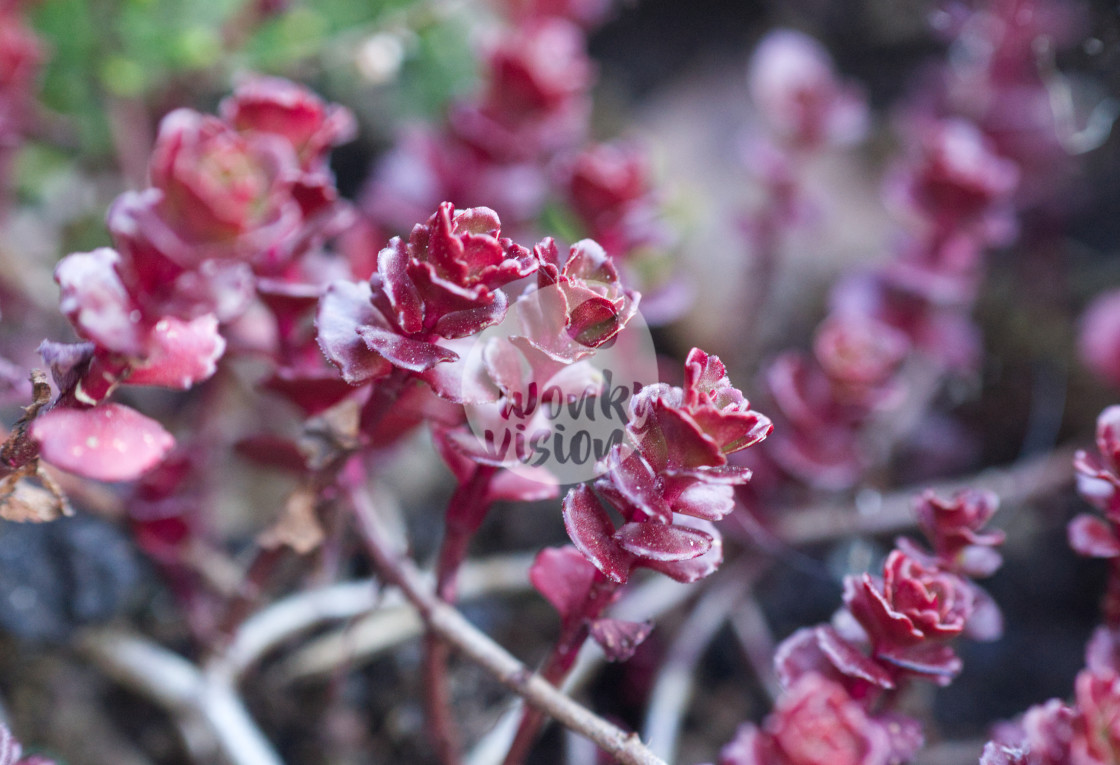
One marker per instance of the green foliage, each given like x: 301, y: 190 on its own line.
x: 146, y: 49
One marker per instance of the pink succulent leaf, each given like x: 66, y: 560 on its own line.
x: 222, y: 287
x: 526, y: 484
x: 1093, y: 537
x: 979, y: 562
x: 1108, y: 437
x: 905, y: 736
x: 743, y: 748
x: 1098, y: 343
x: 404, y: 352
x: 934, y: 661
x: 1102, y: 652
x: 794, y: 87
x: 996, y: 753
x: 985, y: 623
x: 798, y: 654
x: 448, y: 378
x: 97, y: 303
x: 478, y: 221
x: 180, y: 353
x: 663, y: 542
x: 702, y: 499
x: 817, y: 721
x: 343, y: 310
x: 110, y: 442
x: 1097, y: 485
x: 564, y: 577
x: 619, y: 639
x: 849, y: 660
x: 592, y: 532
x: 589, y: 262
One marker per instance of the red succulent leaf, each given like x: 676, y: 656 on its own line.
x: 280, y: 107
x: 663, y: 542
x: 869, y: 606
x: 564, y: 577
x: 823, y: 650
x: 404, y: 352
x: 288, y: 299
x: 935, y: 661
x: 619, y: 639
x: 180, y: 353
x: 634, y: 487
x: 392, y: 266
x: 954, y: 528
x: 1093, y: 537
x: 272, y: 451
x: 461, y: 466
x: 693, y: 569
x: 343, y: 310
x: 312, y: 391
x: 472, y: 320
x: 592, y: 532
x: 666, y: 435
x: 110, y: 442
x: 217, y: 184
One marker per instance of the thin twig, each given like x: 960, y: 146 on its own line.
x: 445, y: 621
x: 286, y: 618
x: 649, y: 600
x: 393, y: 622
x: 757, y: 641
x: 1019, y: 482
x: 673, y: 689
x: 186, y: 692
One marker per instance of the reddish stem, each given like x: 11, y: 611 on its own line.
x: 466, y: 510
x: 573, y: 634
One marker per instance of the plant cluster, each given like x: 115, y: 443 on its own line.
x: 210, y: 481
